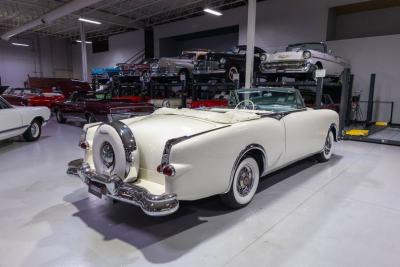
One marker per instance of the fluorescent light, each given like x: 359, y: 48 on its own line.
x: 90, y: 21
x: 20, y: 44
x: 79, y: 41
x: 216, y: 13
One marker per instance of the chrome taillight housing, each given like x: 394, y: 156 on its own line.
x: 167, y: 170
x: 83, y: 143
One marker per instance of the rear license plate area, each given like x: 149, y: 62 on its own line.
x: 97, y: 189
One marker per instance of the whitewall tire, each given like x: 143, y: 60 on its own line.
x: 244, y: 184
x: 327, y: 151
x: 34, y: 131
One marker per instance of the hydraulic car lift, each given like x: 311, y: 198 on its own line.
x: 368, y: 133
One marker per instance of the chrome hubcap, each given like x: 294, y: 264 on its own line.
x: 328, y: 145
x: 231, y: 72
x: 34, y: 130
x: 245, y: 181
x: 107, y: 155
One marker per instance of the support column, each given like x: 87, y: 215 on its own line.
x: 343, y: 101
x: 83, y: 52
x: 251, y: 30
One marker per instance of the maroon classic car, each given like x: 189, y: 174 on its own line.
x: 326, y: 101
x: 92, y: 107
x: 141, y: 69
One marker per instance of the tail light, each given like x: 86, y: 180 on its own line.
x: 167, y: 170
x: 83, y: 143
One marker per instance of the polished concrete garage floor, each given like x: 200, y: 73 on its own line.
x: 342, y: 213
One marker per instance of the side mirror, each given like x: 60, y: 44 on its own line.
x: 330, y: 51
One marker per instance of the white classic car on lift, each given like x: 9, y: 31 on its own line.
x: 181, y: 154
x: 25, y: 121
x: 301, y: 60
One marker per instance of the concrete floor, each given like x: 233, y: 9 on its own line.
x: 342, y: 213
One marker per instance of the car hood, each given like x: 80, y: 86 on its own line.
x: 286, y: 56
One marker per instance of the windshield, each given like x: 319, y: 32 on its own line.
x: 307, y: 46
x: 269, y: 99
x: 190, y: 55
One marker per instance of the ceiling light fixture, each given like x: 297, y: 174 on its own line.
x: 216, y: 13
x: 89, y: 21
x: 20, y: 44
x: 79, y: 41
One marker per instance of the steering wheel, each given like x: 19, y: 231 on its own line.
x: 246, y: 103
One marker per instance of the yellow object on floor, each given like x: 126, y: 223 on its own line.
x: 357, y: 132
x: 381, y: 123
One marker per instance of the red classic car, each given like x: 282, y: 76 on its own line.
x: 92, y: 107
x: 32, y: 97
x: 58, y: 85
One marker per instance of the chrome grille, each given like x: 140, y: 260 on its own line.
x: 286, y: 64
x: 204, y: 65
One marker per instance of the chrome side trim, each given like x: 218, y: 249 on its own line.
x: 127, y: 137
x: 239, y: 158
x: 153, y: 205
x: 337, y: 135
x: 14, y: 129
x: 171, y: 142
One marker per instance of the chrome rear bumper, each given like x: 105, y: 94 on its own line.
x: 153, y: 205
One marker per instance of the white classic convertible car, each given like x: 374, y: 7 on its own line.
x: 25, y: 121
x: 301, y: 60
x: 181, y: 154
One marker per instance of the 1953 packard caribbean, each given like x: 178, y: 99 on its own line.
x: 180, y: 154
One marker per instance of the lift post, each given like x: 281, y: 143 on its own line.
x: 318, y: 92
x: 371, y: 99
x: 343, y: 100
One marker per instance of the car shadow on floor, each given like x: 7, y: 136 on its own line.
x: 16, y: 142
x: 129, y: 224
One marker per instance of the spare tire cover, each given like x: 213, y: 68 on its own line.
x: 107, y: 134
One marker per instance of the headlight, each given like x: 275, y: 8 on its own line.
x: 222, y: 60
x: 306, y: 54
x: 263, y: 57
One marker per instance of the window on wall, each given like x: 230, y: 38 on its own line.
x: 99, y: 46
x: 365, y: 19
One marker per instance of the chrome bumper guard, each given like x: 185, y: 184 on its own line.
x: 153, y: 205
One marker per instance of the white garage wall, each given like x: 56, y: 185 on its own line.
x: 378, y: 55
x: 46, y: 57
x: 121, y: 48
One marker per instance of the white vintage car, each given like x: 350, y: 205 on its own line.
x: 157, y: 160
x: 25, y: 121
x: 301, y: 60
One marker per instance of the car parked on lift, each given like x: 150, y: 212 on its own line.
x: 300, y: 61
x: 171, y: 68
x: 157, y: 160
x: 92, y: 107
x: 25, y: 121
x: 32, y: 97
x: 222, y: 66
